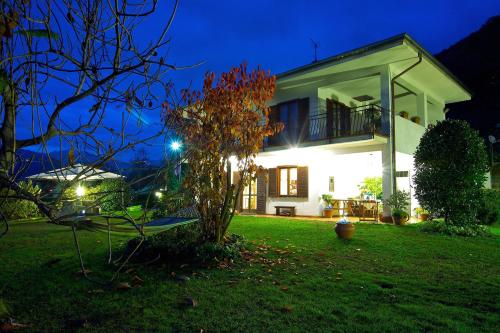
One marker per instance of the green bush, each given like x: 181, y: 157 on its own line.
x: 230, y: 249
x: 111, y: 194
x: 169, y: 203
x: 489, y: 209
x: 173, y: 245
x: 14, y: 208
x: 450, y: 167
x: 184, y: 244
x: 441, y: 227
x: 373, y: 186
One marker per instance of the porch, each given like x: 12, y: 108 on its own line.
x: 295, y: 179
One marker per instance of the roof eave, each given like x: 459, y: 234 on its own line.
x: 375, y: 47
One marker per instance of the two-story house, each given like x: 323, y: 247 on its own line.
x: 355, y: 115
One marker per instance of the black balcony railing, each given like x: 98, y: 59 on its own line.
x: 337, y: 123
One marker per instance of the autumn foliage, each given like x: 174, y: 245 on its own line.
x: 223, y: 124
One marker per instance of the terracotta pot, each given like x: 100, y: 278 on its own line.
x: 344, y: 231
x: 328, y: 212
x: 400, y: 220
x: 423, y: 217
x: 385, y: 219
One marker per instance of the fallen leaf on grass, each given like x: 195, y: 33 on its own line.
x: 123, y: 286
x: 287, y: 308
x: 284, y: 288
x: 12, y: 326
x: 137, y: 281
x: 181, y: 277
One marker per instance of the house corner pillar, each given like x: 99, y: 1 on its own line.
x: 422, y: 111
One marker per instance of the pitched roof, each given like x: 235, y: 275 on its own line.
x: 373, y: 48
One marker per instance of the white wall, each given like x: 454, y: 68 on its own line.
x: 349, y: 171
x: 408, y: 135
x: 404, y: 162
x: 435, y: 113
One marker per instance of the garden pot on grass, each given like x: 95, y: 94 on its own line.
x: 328, y: 212
x: 344, y: 230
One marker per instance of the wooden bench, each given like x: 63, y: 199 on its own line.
x: 289, y: 210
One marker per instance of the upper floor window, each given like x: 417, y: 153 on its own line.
x: 294, y: 115
x: 289, y: 115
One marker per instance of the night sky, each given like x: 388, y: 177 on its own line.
x: 277, y: 34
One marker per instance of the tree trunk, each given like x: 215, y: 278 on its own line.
x: 8, y: 131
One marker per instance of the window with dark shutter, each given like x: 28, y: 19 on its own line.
x: 287, y: 181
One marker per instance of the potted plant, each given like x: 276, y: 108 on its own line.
x: 422, y: 214
x: 416, y: 119
x: 398, y: 202
x: 404, y: 114
x: 344, y: 229
x: 328, y: 209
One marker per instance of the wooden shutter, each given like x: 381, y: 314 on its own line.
x: 302, y: 182
x: 273, y: 183
x: 261, y: 192
x: 303, y: 119
x: 236, y: 180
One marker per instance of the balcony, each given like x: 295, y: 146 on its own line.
x: 331, y: 125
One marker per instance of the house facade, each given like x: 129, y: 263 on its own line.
x: 355, y: 115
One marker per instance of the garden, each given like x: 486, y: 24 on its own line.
x: 165, y: 248
x: 294, y: 273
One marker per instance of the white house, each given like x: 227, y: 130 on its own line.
x: 355, y: 115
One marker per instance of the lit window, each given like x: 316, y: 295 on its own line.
x: 288, y: 181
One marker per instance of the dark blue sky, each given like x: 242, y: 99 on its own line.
x: 277, y: 34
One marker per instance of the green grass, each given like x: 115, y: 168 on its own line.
x: 388, y: 279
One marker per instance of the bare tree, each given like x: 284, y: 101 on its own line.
x: 68, y: 69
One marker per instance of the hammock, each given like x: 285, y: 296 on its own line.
x: 123, y: 224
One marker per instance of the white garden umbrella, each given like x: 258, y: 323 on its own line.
x: 83, y: 172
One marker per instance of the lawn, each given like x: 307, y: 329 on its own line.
x: 388, y: 279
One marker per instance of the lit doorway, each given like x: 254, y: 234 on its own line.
x: 249, y: 203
